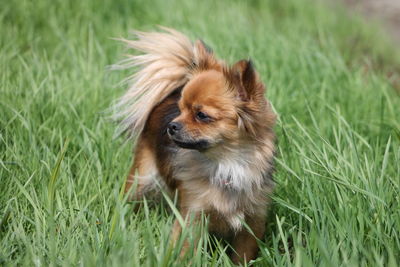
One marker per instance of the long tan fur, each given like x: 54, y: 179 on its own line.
x: 166, y: 60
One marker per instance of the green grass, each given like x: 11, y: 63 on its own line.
x: 338, y: 168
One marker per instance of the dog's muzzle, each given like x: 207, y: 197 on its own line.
x: 181, y: 139
x: 174, y: 128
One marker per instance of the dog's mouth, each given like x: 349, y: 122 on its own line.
x: 197, y: 145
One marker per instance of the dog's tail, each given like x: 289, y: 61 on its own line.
x: 166, y: 61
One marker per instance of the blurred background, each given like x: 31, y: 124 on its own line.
x: 387, y: 11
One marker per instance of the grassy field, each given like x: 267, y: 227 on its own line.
x: 331, y: 78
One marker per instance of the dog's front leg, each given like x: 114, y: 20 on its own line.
x: 244, y: 243
x: 176, y: 233
x: 191, y: 219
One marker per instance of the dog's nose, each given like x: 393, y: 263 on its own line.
x: 174, y: 127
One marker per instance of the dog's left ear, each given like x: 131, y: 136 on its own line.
x: 247, y: 80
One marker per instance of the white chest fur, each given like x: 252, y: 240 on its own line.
x: 230, y: 184
x: 240, y: 171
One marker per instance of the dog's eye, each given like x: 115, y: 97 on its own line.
x: 202, y: 116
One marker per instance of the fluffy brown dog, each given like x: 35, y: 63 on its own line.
x: 204, y: 130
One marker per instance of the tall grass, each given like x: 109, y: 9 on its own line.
x: 338, y: 166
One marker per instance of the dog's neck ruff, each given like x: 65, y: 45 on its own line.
x: 241, y: 171
x: 237, y: 170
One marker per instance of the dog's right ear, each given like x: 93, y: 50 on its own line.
x: 204, y: 55
x: 201, y: 45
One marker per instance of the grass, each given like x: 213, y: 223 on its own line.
x: 338, y: 168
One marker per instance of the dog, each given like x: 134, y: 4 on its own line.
x: 204, y: 130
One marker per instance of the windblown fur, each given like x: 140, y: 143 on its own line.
x: 166, y: 61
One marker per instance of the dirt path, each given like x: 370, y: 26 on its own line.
x: 388, y: 11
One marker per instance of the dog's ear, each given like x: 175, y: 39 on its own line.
x: 203, y: 48
x: 204, y: 56
x: 201, y: 45
x: 250, y: 91
x: 247, y: 80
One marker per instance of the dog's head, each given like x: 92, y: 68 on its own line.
x: 221, y: 106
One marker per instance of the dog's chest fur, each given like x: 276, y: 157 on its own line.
x: 233, y: 184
